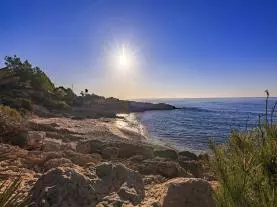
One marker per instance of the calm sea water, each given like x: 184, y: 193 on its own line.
x: 199, y: 120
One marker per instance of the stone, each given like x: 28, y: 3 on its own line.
x: 68, y: 146
x: 137, y: 158
x: 84, y: 147
x: 82, y: 159
x: 104, y: 169
x: 61, y: 187
x: 186, y: 155
x: 110, y: 153
x: 168, y: 169
x: 35, y: 139
x: 193, y: 167
x: 193, y: 192
x: 166, y: 153
x: 129, y: 194
x: 73, y: 186
x: 129, y: 150
x: 56, y: 162
x: 52, y: 144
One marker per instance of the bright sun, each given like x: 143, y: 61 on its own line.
x: 124, y: 60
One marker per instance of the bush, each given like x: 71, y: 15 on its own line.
x: 246, y: 168
x: 12, y: 126
x: 26, y: 104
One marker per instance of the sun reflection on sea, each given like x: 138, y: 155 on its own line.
x: 129, y: 122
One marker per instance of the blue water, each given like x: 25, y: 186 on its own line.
x: 201, y: 120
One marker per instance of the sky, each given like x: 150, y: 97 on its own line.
x: 173, y: 48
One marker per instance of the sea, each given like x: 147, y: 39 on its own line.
x: 198, y: 121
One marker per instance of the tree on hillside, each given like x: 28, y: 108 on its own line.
x: 29, y: 75
x: 86, y: 91
x: 12, y: 62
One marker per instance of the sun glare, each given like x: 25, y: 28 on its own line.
x: 124, y: 59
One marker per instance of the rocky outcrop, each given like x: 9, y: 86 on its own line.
x: 186, y: 155
x: 129, y: 150
x: 64, y: 186
x: 166, y: 153
x: 56, y: 162
x: 193, y: 167
x: 52, y: 144
x: 187, y: 192
x: 179, y: 192
x: 168, y: 169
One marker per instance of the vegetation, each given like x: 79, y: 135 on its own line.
x: 246, y: 167
x: 12, y: 126
x: 10, y: 195
x: 32, y: 76
x: 11, y: 121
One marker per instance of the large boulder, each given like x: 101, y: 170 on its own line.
x: 63, y: 186
x: 72, y: 186
x: 179, y: 192
x: 187, y: 192
x: 118, y: 178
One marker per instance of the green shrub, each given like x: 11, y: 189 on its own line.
x: 26, y: 104
x: 12, y: 126
x: 246, y: 168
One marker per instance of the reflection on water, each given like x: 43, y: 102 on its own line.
x: 129, y: 122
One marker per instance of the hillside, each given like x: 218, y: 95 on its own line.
x: 28, y: 88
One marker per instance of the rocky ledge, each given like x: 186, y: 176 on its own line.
x: 65, y: 167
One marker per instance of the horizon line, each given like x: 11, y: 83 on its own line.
x: 203, y: 97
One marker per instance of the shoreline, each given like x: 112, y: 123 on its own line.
x: 131, y: 121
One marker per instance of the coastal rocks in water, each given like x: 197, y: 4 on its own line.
x: 166, y: 153
x: 35, y: 139
x: 187, y: 192
x: 64, y: 186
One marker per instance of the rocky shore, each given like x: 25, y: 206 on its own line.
x: 92, y: 162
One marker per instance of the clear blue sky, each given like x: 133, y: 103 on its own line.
x: 195, y: 48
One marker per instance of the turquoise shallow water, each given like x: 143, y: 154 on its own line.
x: 200, y: 120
